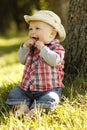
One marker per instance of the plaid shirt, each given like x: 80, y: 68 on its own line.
x: 40, y: 76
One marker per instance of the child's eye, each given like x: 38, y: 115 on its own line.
x: 37, y: 28
x: 30, y: 28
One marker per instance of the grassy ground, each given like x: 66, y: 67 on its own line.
x: 70, y: 114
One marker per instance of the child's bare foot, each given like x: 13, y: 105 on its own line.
x: 23, y: 108
x: 31, y: 112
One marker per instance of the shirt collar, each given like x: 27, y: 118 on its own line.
x: 52, y: 42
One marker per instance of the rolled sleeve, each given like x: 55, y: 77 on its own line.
x: 22, y: 54
x: 51, y: 57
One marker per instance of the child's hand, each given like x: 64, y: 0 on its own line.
x: 39, y: 44
x: 29, y: 43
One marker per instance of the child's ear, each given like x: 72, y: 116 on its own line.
x: 53, y: 33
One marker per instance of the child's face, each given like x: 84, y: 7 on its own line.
x: 41, y: 31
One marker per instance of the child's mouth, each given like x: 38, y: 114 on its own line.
x: 36, y: 39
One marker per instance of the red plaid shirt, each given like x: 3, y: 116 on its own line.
x: 40, y: 76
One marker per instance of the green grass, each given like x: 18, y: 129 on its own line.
x: 70, y: 114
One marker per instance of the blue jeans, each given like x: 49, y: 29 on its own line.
x: 47, y: 99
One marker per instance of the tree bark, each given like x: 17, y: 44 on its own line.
x: 76, y: 40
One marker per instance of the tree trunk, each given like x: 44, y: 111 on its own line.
x: 76, y: 40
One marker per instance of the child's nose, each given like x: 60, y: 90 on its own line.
x: 33, y: 31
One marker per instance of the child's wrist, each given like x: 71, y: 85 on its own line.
x: 23, y: 45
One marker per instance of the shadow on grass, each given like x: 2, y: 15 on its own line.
x: 16, y: 34
x: 8, y: 49
x: 75, y: 88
